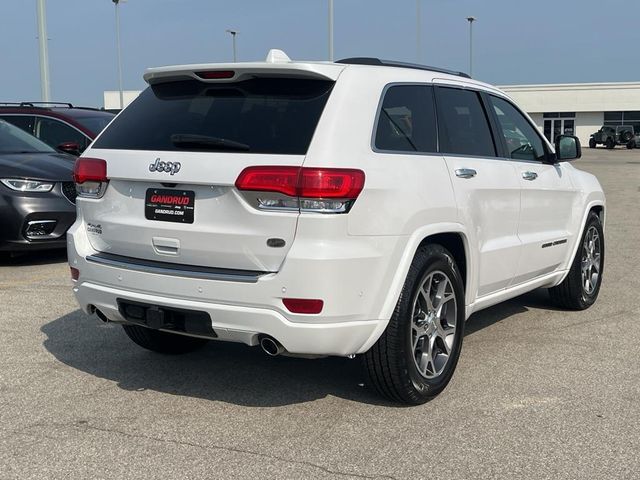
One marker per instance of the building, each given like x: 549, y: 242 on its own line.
x: 112, y: 98
x: 579, y: 108
x: 572, y: 108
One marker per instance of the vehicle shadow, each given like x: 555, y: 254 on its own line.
x: 538, y: 299
x: 227, y: 372
x: 42, y: 257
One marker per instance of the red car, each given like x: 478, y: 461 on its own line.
x: 60, y: 125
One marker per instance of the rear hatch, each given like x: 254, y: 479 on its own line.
x: 173, y: 157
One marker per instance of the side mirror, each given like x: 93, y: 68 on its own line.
x: 567, y: 148
x: 70, y: 147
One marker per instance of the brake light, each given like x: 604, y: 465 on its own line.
x: 215, y: 74
x: 90, y: 175
x: 327, y: 190
x: 303, y: 305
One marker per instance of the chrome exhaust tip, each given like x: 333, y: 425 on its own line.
x: 271, y: 346
x: 101, y: 316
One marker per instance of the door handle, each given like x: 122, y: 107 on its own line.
x: 466, y: 172
x: 529, y: 175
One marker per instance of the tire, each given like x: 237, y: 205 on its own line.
x: 392, y: 363
x: 626, y: 136
x: 592, y: 143
x: 163, y: 342
x: 610, y: 144
x: 573, y: 293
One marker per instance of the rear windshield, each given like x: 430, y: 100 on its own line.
x: 261, y: 115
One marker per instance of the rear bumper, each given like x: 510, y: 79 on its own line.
x: 352, y: 285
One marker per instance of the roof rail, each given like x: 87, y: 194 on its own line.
x: 34, y: 104
x: 393, y: 63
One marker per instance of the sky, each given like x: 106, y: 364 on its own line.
x: 515, y: 41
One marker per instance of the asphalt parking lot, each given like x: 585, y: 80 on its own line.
x: 538, y: 393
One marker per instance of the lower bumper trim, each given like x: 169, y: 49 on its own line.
x: 165, y: 268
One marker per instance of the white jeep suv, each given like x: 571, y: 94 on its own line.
x: 357, y: 207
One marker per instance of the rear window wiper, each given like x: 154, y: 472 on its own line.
x: 204, y: 141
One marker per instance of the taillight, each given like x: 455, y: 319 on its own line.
x: 90, y: 175
x: 326, y: 190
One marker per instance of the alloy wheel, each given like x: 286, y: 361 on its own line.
x: 433, y: 324
x: 591, y: 254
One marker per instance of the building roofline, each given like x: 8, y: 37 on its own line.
x: 571, y: 86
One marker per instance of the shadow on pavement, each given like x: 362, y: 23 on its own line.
x: 227, y: 372
x: 42, y: 257
x: 536, y: 299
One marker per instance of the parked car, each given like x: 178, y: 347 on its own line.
x: 361, y: 207
x: 62, y: 126
x: 37, y: 192
x: 612, y: 136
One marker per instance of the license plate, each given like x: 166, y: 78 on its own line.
x: 169, y: 205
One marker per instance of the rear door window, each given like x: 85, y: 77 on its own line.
x: 54, y: 132
x: 407, y: 121
x: 463, y: 127
x: 260, y: 115
x: 25, y: 122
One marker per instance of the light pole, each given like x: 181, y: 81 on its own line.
x: 117, y: 4
x: 331, y: 30
x: 471, y: 20
x: 233, y: 36
x: 418, y: 32
x: 44, y: 51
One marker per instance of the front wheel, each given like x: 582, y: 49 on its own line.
x: 592, y: 143
x: 579, y: 290
x: 414, y: 359
x: 162, y: 342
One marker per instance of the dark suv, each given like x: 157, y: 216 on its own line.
x: 611, y: 136
x: 60, y: 125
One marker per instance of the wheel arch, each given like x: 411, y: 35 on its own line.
x: 453, y: 237
x: 599, y: 208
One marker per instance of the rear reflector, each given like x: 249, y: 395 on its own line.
x: 303, y: 182
x: 90, y: 170
x: 303, y: 305
x: 75, y: 273
x: 215, y: 74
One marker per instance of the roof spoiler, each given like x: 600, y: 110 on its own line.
x: 277, y: 64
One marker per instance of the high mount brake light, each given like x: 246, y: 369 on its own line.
x: 215, y: 74
x: 90, y: 175
x: 326, y: 190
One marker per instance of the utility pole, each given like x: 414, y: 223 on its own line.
x: 44, y: 50
x: 331, y: 30
x: 117, y: 4
x: 233, y: 36
x: 471, y: 20
x: 418, y: 32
